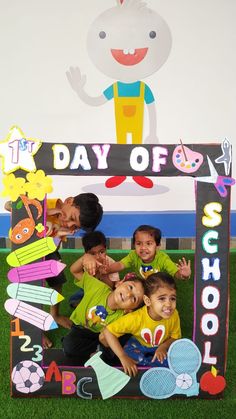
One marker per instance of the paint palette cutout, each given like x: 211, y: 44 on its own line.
x: 186, y: 160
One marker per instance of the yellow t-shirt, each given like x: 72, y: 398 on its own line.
x: 147, y: 331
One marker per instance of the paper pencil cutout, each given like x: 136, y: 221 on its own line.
x: 32, y: 251
x: 30, y: 314
x: 36, y: 271
x: 34, y: 294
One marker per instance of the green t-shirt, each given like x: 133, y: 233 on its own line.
x: 92, y: 312
x: 161, y: 263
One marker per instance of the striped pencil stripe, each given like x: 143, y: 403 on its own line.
x: 32, y: 251
x: 36, y: 271
x: 30, y: 314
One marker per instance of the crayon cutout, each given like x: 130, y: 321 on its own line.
x: 30, y: 314
x: 34, y: 294
x: 32, y: 251
x: 36, y: 271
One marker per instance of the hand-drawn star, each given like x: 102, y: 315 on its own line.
x: 17, y: 151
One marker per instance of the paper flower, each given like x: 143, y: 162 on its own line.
x: 40, y: 230
x: 13, y: 186
x: 38, y: 185
x: 40, y: 227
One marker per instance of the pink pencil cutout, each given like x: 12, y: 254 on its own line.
x: 30, y: 314
x: 33, y: 251
x: 36, y: 271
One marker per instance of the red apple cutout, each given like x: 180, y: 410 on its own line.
x: 212, y: 383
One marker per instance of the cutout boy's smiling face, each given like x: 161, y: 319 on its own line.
x: 129, y: 42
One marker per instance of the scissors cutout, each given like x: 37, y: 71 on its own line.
x: 220, y: 182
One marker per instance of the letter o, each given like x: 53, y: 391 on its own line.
x: 139, y: 152
x: 206, y: 292
x: 206, y: 320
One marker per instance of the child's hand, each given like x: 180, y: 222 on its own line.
x: 90, y: 264
x: 184, y: 268
x: 64, y: 232
x: 103, y: 268
x: 160, y: 354
x: 53, y: 211
x: 129, y: 365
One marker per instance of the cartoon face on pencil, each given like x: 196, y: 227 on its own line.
x: 24, y: 229
x: 30, y: 314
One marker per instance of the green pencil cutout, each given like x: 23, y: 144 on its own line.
x: 32, y: 251
x: 34, y: 294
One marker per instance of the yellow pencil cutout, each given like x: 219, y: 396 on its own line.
x: 34, y: 294
x: 32, y: 251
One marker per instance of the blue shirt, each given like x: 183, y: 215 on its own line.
x: 129, y: 90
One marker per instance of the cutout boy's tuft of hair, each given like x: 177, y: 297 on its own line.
x: 131, y: 4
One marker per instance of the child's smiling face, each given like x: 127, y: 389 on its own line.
x: 145, y: 246
x: 162, y: 303
x: 128, y: 295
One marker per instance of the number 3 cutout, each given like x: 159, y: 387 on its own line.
x: 25, y: 348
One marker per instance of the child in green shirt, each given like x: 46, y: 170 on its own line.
x: 100, y: 306
x: 146, y: 258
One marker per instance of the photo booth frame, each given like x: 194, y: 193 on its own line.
x: 210, y: 167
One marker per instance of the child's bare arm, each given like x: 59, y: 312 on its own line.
x: 103, y: 340
x: 77, y: 269
x: 112, y: 268
x: 162, y: 350
x: 184, y: 269
x: 108, y: 339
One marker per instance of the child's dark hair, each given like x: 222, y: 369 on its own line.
x: 157, y: 280
x: 153, y: 231
x: 90, y: 210
x: 92, y: 239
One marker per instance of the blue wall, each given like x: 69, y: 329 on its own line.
x: 122, y: 224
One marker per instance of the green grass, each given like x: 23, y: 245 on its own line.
x: 116, y: 408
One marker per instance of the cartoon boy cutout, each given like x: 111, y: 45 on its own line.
x: 127, y: 42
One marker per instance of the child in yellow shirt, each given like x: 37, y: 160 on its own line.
x: 153, y: 327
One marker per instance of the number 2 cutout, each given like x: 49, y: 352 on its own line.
x: 25, y: 348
